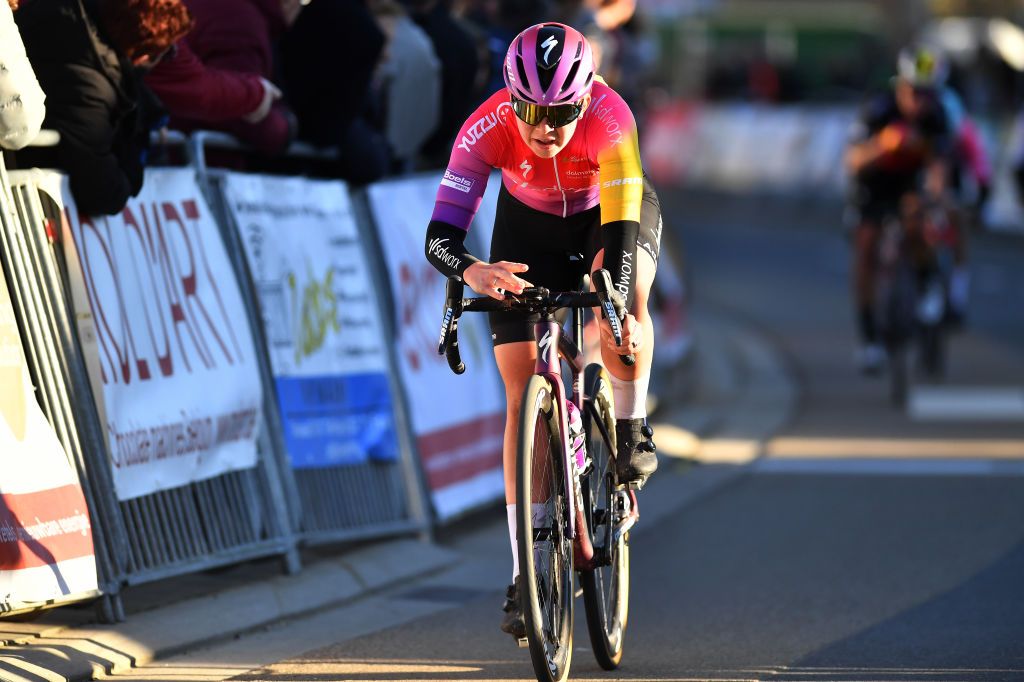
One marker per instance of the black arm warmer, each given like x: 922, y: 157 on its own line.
x: 446, y: 250
x: 619, y: 240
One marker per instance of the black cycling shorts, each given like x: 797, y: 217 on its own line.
x: 878, y: 199
x: 558, y: 250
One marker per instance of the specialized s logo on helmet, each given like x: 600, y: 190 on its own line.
x: 549, y: 45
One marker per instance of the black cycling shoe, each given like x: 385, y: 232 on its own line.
x: 636, y: 459
x: 513, y: 622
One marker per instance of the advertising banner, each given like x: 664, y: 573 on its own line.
x: 321, y: 316
x: 176, y: 361
x: 458, y: 421
x: 742, y: 147
x: 46, y: 545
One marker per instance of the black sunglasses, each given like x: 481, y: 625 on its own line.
x: 557, y: 116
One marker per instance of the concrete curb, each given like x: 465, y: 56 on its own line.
x: 59, y: 653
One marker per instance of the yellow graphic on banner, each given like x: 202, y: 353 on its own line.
x: 316, y: 315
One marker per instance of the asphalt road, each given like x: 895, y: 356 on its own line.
x: 868, y: 544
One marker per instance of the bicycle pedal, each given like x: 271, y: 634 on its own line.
x: 624, y: 527
x: 637, y: 484
x: 523, y: 643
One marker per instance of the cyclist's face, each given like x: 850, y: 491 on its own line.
x: 545, y: 141
x: 914, y: 101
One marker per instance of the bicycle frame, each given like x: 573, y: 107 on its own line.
x: 550, y: 344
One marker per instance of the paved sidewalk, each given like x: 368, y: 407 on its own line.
x: 66, y: 646
x: 739, y: 392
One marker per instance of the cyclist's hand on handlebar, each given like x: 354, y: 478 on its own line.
x: 632, y: 336
x: 494, y: 279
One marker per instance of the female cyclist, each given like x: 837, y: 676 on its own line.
x: 573, y: 199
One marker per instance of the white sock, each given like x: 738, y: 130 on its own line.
x: 510, y: 509
x: 630, y: 397
x: 539, y: 514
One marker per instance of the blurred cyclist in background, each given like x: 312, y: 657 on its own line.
x: 573, y: 199
x: 902, y: 144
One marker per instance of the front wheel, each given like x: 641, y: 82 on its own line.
x: 545, y: 550
x: 606, y: 584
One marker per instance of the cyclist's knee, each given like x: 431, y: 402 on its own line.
x: 515, y: 364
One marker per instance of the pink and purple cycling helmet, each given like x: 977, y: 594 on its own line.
x: 549, y: 64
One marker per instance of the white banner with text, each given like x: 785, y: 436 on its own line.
x: 458, y: 421
x: 321, y: 317
x: 176, y: 360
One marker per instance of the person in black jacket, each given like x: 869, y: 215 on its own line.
x: 88, y: 55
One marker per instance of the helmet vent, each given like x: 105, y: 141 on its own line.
x: 524, y: 82
x: 546, y: 76
x: 568, y: 80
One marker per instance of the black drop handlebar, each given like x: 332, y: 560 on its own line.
x: 532, y: 300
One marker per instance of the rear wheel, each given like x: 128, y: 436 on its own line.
x: 899, y: 376
x: 606, y: 585
x: 933, y: 351
x: 545, y: 550
x: 898, y: 318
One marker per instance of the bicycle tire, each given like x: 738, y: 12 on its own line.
x: 605, y: 587
x: 898, y: 296
x: 899, y: 376
x: 545, y: 552
x: 933, y: 351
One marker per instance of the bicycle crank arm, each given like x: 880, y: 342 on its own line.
x: 626, y: 498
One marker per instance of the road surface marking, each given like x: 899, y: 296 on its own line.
x: 966, y: 403
x: 873, y: 466
x: 907, y: 448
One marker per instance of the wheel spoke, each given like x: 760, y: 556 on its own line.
x: 605, y: 586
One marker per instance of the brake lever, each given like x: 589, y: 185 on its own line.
x: 448, y: 344
x: 614, y: 309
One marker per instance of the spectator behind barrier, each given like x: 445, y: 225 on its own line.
x: 230, y: 51
x: 409, y: 80
x: 329, y: 57
x: 461, y: 88
x: 190, y: 89
x: 502, y: 21
x: 22, y: 105
x: 88, y: 55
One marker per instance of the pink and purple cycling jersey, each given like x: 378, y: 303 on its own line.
x: 599, y: 165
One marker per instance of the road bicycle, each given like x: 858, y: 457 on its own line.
x: 574, y: 516
x: 911, y: 304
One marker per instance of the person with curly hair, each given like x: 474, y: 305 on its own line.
x: 89, y: 56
